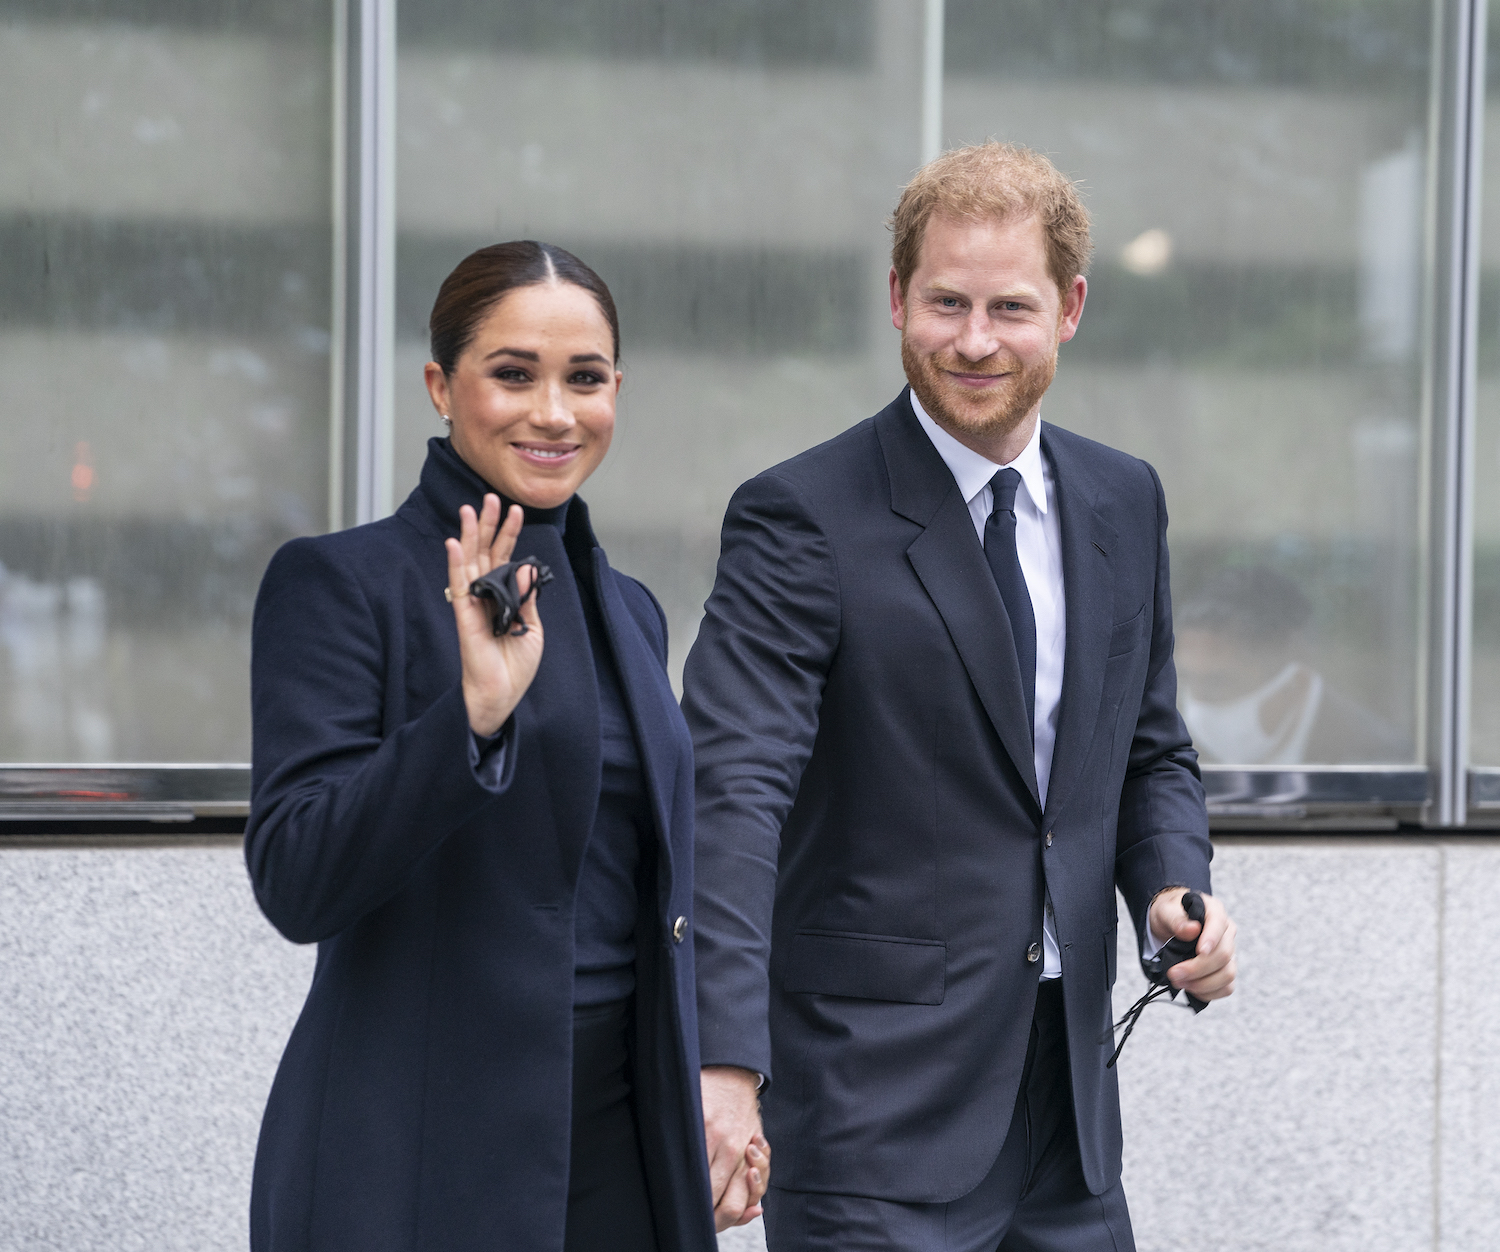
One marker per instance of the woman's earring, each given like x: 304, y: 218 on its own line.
x: 448, y: 422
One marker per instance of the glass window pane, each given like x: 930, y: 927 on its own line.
x: 165, y: 245
x: 1484, y: 743
x: 728, y: 169
x: 1253, y: 327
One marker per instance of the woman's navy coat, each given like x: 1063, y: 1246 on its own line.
x: 424, y: 1098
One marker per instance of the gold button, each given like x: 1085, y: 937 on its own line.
x: 679, y: 929
x: 1034, y: 953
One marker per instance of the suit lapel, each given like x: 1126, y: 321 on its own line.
x: 949, y: 562
x: 1088, y: 584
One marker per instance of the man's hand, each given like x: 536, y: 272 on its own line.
x: 1210, y: 974
x: 739, y: 1158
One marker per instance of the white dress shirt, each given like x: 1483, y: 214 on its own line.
x: 1039, y: 547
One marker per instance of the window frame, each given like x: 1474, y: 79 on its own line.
x: 1440, y: 791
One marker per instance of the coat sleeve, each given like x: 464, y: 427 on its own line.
x: 752, y: 687
x: 342, y: 808
x: 1162, y: 838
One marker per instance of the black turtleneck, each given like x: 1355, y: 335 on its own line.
x: 606, y: 903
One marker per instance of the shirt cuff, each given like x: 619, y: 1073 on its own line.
x: 490, y: 757
x: 1150, y: 944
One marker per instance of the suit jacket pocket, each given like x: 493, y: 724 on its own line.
x: 1126, y: 635
x: 867, y: 967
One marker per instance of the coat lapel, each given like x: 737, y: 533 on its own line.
x: 949, y: 561
x: 647, y: 694
x: 1088, y: 582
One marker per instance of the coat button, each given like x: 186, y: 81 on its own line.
x: 1034, y: 953
x: 1049, y: 838
x: 679, y: 929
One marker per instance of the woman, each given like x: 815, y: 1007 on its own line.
x: 488, y: 836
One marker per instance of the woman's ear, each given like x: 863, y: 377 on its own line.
x: 437, y: 387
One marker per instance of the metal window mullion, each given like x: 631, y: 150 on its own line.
x: 1457, y: 133
x: 932, y: 79
x: 373, y: 298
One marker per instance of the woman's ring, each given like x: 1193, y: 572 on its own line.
x: 448, y: 594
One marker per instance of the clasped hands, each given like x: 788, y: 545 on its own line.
x: 739, y: 1158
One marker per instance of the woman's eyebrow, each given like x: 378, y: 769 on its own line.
x: 520, y: 352
x: 581, y: 357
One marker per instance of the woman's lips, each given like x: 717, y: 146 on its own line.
x: 549, y: 454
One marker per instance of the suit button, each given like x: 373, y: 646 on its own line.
x: 1034, y: 953
x: 679, y: 929
x: 1049, y: 838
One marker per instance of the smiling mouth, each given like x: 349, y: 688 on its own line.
x: 546, y: 452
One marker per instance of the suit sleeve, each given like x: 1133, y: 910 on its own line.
x: 1162, y: 837
x: 341, y: 812
x: 753, y: 685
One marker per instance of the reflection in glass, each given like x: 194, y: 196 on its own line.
x: 1484, y: 732
x: 1250, y: 691
x: 727, y: 169
x: 1257, y: 179
x: 165, y: 247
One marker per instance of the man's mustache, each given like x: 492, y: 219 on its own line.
x: 991, y: 366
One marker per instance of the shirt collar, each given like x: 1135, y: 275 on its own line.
x: 973, y: 472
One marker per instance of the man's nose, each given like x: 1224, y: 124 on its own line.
x: 977, y: 338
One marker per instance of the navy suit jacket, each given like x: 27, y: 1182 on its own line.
x: 424, y: 1098
x: 872, y: 855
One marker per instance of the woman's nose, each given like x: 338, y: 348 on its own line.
x: 554, y: 413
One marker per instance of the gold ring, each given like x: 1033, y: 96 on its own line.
x: 448, y: 594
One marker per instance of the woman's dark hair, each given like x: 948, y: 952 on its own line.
x: 482, y: 278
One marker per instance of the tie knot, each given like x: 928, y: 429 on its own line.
x: 1004, y: 486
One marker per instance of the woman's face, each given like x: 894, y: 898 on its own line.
x: 532, y: 397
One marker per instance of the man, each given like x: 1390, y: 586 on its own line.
x: 933, y: 710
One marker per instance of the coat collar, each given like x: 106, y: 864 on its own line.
x: 448, y: 483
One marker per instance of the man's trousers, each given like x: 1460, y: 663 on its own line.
x: 1033, y: 1199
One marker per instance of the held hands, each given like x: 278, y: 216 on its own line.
x: 496, y: 671
x: 739, y: 1158
x: 1210, y: 974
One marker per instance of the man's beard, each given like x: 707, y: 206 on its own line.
x: 989, y: 414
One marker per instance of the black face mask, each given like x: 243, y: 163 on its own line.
x: 502, y: 596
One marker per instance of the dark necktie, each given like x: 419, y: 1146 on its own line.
x: 1005, y: 565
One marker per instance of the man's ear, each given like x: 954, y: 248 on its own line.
x: 898, y: 301
x: 1071, y: 311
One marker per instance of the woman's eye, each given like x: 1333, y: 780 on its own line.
x: 586, y: 378
x: 511, y: 374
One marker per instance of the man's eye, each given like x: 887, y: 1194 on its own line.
x: 949, y: 302
x: 1011, y: 306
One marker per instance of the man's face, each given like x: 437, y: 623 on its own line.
x: 980, y: 323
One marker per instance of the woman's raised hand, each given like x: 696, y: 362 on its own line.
x: 496, y: 671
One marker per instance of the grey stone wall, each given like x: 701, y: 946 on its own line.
x: 1345, y: 1098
